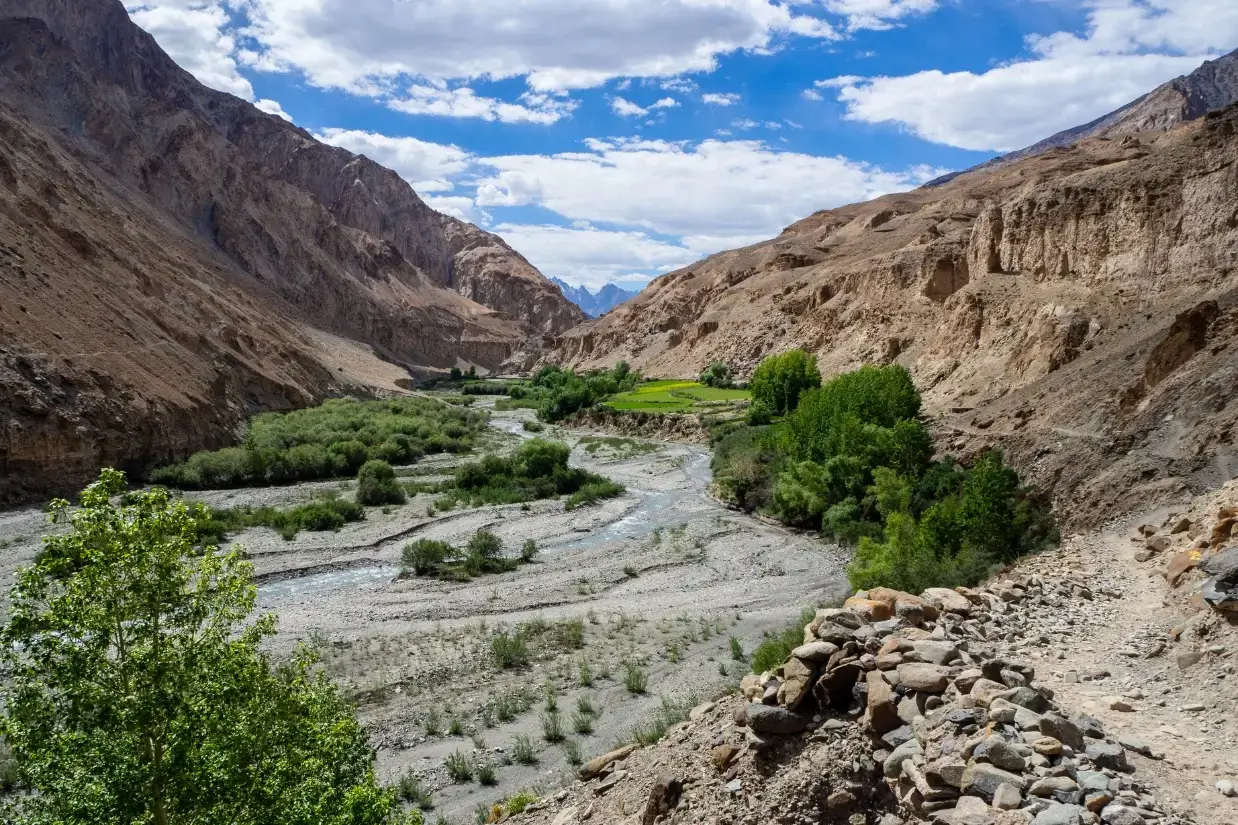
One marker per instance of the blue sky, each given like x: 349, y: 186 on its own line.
x: 614, y: 140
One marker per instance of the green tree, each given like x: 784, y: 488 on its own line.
x: 424, y: 556
x: 780, y: 379
x: 376, y: 484
x: 137, y: 690
x: 716, y: 374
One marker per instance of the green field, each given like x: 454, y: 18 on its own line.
x: 676, y: 396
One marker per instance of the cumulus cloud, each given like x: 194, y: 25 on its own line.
x: 730, y: 190
x: 878, y: 14
x: 272, y: 107
x: 727, y: 99
x: 426, y: 99
x: 1128, y: 48
x: 193, y: 33
x: 429, y: 167
x: 626, y: 108
x: 361, y: 45
x: 583, y: 254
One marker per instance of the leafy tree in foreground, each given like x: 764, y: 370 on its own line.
x: 138, y: 692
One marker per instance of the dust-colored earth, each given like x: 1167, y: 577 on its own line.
x: 660, y: 578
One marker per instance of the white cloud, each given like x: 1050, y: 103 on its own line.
x: 811, y: 94
x: 1129, y: 47
x: 878, y: 14
x: 192, y: 32
x: 591, y: 256
x: 745, y: 123
x: 458, y: 206
x: 626, y: 108
x: 730, y: 190
x: 272, y: 107
x: 838, y: 82
x: 727, y: 99
x: 425, y: 99
x: 773, y: 124
x: 679, y: 84
x: 429, y: 167
x: 363, y: 45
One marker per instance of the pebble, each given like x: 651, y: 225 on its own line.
x: 1226, y: 788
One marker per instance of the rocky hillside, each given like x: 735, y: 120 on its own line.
x: 1214, y: 85
x: 173, y: 259
x: 1076, y: 309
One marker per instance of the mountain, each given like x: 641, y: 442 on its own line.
x: 1214, y: 85
x: 172, y: 259
x: 1078, y: 309
x: 597, y: 303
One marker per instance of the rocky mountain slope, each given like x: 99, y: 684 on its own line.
x: 173, y: 259
x: 1214, y: 85
x: 1077, y: 309
x: 594, y: 304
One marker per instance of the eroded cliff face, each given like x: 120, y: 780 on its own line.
x: 1076, y: 308
x: 173, y: 260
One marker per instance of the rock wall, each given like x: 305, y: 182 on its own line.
x: 1026, y: 301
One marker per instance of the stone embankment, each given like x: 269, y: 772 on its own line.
x: 900, y: 708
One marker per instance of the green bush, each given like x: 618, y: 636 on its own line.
x: 327, y: 442
x: 376, y: 484
x: 509, y: 651
x: 484, y: 554
x: 528, y: 551
x: 423, y: 557
x: 533, y: 426
x: 779, y: 380
x: 538, y: 469
x: 328, y: 512
x: 593, y: 492
x: 717, y: 374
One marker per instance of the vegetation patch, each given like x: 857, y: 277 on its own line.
x: 675, y: 396
x: 327, y: 512
x: 538, y: 469
x: 329, y: 441
x: 483, y: 554
x: 617, y: 446
x: 853, y: 459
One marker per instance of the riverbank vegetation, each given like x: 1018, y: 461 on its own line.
x: 332, y: 440
x: 483, y: 554
x: 538, y: 469
x: 853, y: 459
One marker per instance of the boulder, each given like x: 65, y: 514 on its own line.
x: 869, y: 610
x: 776, y: 720
x: 1219, y: 596
x: 967, y: 810
x: 1107, y: 755
x: 937, y: 653
x: 663, y: 798
x: 797, y: 681
x: 815, y: 652
x: 983, y: 780
x: 904, y: 604
x: 881, y: 712
x: 1061, y: 815
x: 1007, y: 797
x: 1120, y: 815
x: 1180, y: 565
x: 923, y: 677
x: 1157, y: 544
x: 893, y: 766
x: 1000, y: 753
x: 597, y: 764
x: 948, y: 601
x: 984, y: 691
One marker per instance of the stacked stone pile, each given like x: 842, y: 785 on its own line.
x: 964, y: 736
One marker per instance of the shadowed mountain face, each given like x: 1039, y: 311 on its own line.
x: 173, y: 259
x: 1214, y: 85
x: 1078, y: 309
x: 594, y: 304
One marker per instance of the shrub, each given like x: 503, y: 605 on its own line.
x: 459, y: 767
x: 523, y: 752
x: 533, y: 426
x: 593, y: 492
x: 552, y: 727
x: 635, y: 678
x: 779, y: 380
x: 585, y: 705
x: 486, y: 773
x: 376, y: 484
x: 669, y: 714
x: 519, y: 803
x: 716, y: 374
x: 528, y: 550
x: 582, y: 723
x: 776, y: 647
x: 737, y: 649
x: 484, y: 553
x: 410, y: 789
x: 424, y: 556
x: 509, y: 651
